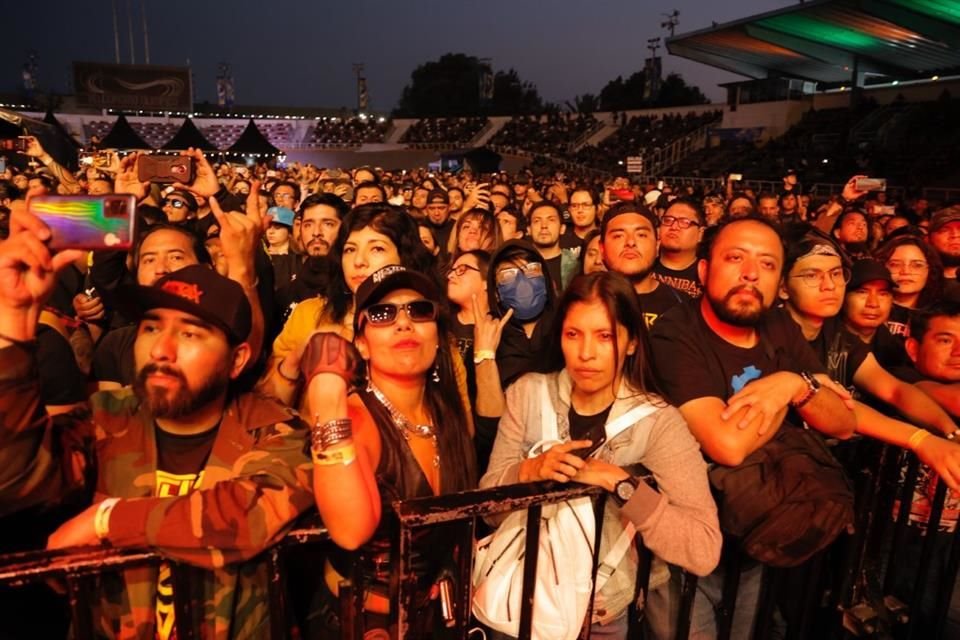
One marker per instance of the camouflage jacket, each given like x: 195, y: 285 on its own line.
x: 256, y: 481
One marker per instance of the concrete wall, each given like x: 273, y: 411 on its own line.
x: 774, y: 117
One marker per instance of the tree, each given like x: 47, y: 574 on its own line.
x: 633, y: 93
x: 587, y: 103
x: 450, y: 87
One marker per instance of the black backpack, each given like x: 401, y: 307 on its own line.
x: 787, y: 500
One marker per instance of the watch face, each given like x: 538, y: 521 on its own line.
x: 625, y: 490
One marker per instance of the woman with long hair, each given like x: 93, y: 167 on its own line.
x: 918, y: 274
x: 400, y: 434
x: 371, y: 236
x: 476, y: 229
x: 602, y: 373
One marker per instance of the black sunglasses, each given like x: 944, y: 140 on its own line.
x: 385, y: 313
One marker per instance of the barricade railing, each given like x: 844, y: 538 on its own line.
x: 850, y: 589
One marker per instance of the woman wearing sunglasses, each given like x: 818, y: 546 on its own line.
x: 371, y: 237
x: 602, y: 377
x: 402, y: 434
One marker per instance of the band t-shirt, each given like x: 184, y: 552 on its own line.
x: 683, y: 280
x: 693, y: 362
x: 180, y: 462
x: 657, y: 302
x: 922, y: 503
x: 841, y: 352
x: 592, y: 428
x: 899, y: 321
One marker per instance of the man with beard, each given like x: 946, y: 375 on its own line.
x: 320, y: 217
x: 628, y: 239
x: 180, y: 462
x: 437, y: 209
x: 734, y: 370
x: 546, y: 228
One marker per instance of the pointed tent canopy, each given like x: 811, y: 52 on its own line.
x: 52, y: 121
x: 123, y: 136
x: 13, y: 124
x: 252, y: 141
x: 189, y: 136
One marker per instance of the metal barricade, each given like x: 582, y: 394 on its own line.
x: 848, y: 590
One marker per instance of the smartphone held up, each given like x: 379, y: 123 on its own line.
x: 87, y: 222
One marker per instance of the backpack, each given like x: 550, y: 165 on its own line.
x: 564, y: 578
x: 787, y: 500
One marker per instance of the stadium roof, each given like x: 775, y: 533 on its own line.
x: 818, y: 40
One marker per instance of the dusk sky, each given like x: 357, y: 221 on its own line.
x: 300, y: 53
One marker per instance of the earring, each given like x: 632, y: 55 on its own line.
x: 436, y: 373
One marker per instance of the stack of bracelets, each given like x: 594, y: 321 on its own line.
x: 324, y: 438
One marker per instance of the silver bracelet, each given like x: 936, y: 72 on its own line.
x: 327, y: 434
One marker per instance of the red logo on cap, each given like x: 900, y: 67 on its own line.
x: 190, y: 292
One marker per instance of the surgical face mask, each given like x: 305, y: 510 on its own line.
x: 524, y: 290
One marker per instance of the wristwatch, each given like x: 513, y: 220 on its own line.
x: 624, y: 490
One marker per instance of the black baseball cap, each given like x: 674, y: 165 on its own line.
x: 438, y: 195
x: 623, y: 208
x: 200, y: 291
x: 391, y: 278
x: 868, y: 270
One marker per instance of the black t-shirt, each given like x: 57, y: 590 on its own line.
x: 899, y: 321
x: 658, y: 302
x: 556, y: 275
x: 570, y: 240
x: 839, y: 350
x: 889, y: 349
x: 61, y: 381
x: 179, y: 455
x: 592, y: 428
x: 693, y: 362
x: 285, y: 267
x: 113, y: 357
x: 683, y: 280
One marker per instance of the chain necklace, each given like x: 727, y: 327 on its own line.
x: 406, y: 427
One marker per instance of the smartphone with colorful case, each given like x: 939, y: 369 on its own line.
x: 87, y: 222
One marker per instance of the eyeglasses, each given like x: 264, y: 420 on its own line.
x: 460, y: 270
x: 907, y: 267
x: 816, y: 278
x: 384, y: 314
x: 580, y: 205
x: 683, y: 223
x: 176, y: 204
x: 530, y: 270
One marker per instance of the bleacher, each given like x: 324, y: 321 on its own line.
x: 223, y: 135
x: 641, y: 133
x: 552, y: 134
x: 444, y: 130
x: 347, y: 131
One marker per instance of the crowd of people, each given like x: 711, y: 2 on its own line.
x: 279, y: 340
x: 551, y: 134
x: 445, y: 130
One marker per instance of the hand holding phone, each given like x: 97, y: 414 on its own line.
x: 87, y: 222
x: 166, y: 169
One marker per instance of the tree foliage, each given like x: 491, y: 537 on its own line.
x: 620, y: 94
x: 451, y: 87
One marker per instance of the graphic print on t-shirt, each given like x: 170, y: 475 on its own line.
x: 170, y: 485
x: 748, y: 374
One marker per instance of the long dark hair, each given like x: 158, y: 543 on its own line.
x: 393, y: 222
x: 933, y: 289
x: 616, y: 294
x: 458, y: 465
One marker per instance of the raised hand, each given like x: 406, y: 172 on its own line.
x: 128, y: 180
x: 943, y: 457
x: 329, y: 353
x: 27, y: 273
x: 205, y: 183
x: 487, y: 329
x: 240, y: 236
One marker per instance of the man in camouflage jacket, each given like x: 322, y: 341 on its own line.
x: 250, y: 478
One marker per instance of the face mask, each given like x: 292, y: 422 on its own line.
x: 526, y: 296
